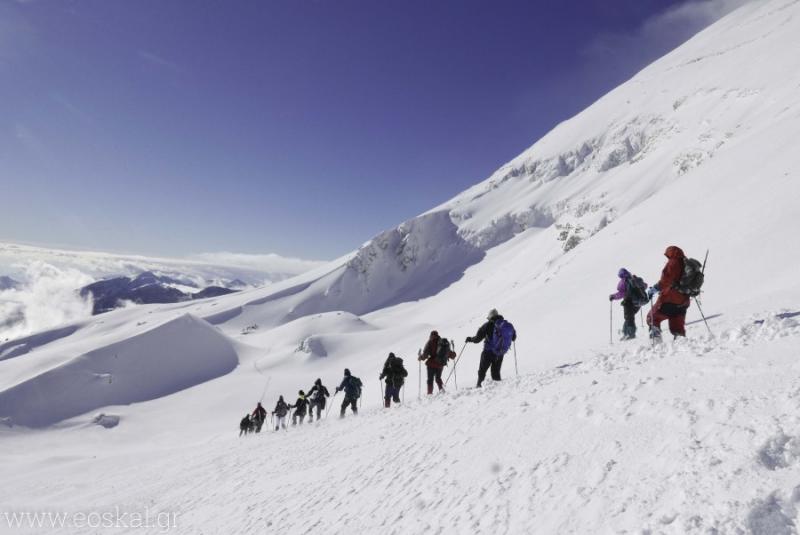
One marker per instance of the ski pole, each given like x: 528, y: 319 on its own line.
x: 611, y: 322
x: 515, y: 357
x: 704, y: 317
x: 652, y: 319
x: 455, y: 364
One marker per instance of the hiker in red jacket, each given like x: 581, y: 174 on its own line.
x: 435, y: 357
x: 671, y: 304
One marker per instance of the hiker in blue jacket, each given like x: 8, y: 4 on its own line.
x: 352, y: 391
x: 497, y: 334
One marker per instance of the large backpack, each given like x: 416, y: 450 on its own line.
x: 443, y: 351
x: 500, y: 340
x: 355, y: 384
x: 692, y: 278
x: 637, y: 291
x: 398, y: 372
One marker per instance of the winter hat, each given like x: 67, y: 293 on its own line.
x: 347, y: 372
x: 434, y: 333
x: 280, y: 398
x: 493, y: 313
x: 623, y: 273
x: 318, y: 382
x: 301, y: 393
x: 391, y: 355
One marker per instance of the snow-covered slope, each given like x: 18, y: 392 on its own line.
x: 697, y: 436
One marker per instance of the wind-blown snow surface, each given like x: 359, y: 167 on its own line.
x: 697, y: 436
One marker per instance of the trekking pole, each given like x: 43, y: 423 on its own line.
x: 704, y: 317
x: 419, y: 375
x: 455, y: 364
x: 455, y: 373
x: 703, y: 271
x: 611, y: 322
x: 641, y: 317
x: 515, y: 357
x: 330, y: 405
x: 652, y: 318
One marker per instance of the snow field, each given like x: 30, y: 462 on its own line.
x: 693, y: 436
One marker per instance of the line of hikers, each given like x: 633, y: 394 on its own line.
x: 681, y: 279
x: 497, y: 336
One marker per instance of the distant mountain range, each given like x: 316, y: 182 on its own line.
x: 148, y: 288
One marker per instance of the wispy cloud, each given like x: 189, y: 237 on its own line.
x: 154, y: 59
x: 46, y: 298
x: 659, y: 33
x: 75, y: 110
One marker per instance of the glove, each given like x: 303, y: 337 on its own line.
x: 469, y: 339
x: 651, y: 292
x: 337, y: 389
x: 611, y: 297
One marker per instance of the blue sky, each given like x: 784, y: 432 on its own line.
x: 297, y: 127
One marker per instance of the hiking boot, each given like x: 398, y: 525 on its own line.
x: 655, y: 335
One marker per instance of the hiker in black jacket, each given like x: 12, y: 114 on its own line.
x: 259, y: 416
x: 395, y: 374
x: 352, y: 391
x: 495, y: 344
x: 299, y: 407
x: 281, y: 409
x: 317, y: 396
x: 245, y: 426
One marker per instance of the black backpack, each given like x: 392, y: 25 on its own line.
x: 692, y: 278
x: 443, y: 351
x: 355, y: 386
x: 637, y: 291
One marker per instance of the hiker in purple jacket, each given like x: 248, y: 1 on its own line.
x: 633, y: 292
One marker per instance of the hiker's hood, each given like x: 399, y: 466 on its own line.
x: 673, y: 251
